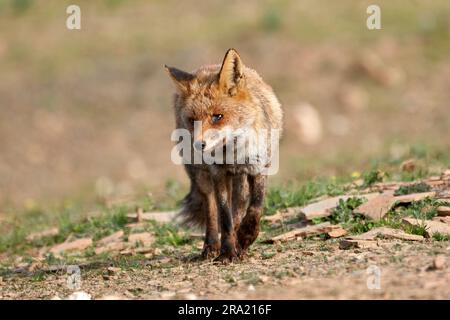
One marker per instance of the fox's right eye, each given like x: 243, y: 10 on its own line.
x: 216, y: 117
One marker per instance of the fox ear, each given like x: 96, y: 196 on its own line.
x: 231, y: 72
x: 181, y: 78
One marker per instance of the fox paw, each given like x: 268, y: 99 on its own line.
x: 227, y: 257
x: 210, y: 251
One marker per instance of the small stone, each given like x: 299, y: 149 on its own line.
x: 111, y: 247
x: 357, y: 244
x: 115, y: 237
x: 439, y: 263
x: 144, y: 238
x: 443, y: 211
x: 76, y: 245
x: 337, y: 233
x: 114, y: 270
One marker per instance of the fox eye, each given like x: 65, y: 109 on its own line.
x: 216, y: 117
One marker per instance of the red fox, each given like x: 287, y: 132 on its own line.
x: 225, y: 197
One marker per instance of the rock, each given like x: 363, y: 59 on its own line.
x: 163, y: 217
x: 143, y: 238
x: 439, y: 263
x: 323, y: 208
x: 446, y: 174
x: 386, y: 233
x: 43, y: 234
x: 408, y: 165
x: 79, y: 295
x: 377, y: 207
x: 337, y: 233
x: 445, y: 219
x: 115, y: 237
x: 76, y: 245
x: 308, y: 231
x: 317, y: 209
x: 346, y: 244
x: 443, y: 211
x: 145, y: 250
x: 111, y: 247
x: 127, y: 252
x: 431, y: 226
x: 137, y: 226
x: 114, y: 270
x: 282, y: 215
x: 414, y: 197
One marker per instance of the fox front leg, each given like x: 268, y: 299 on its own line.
x: 249, y: 228
x: 228, y: 236
x: 211, y: 246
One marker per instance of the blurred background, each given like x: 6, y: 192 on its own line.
x: 87, y: 113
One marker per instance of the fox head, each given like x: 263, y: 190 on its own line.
x: 215, y: 99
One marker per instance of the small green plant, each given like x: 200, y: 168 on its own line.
x: 167, y: 234
x: 437, y: 236
x: 419, y: 229
x: 344, y: 210
x: 425, y: 209
x: 373, y: 176
x: 413, y: 188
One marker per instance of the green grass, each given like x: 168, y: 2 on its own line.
x: 440, y: 237
x: 372, y: 176
x: 107, y: 220
x: 290, y: 196
x: 413, y: 188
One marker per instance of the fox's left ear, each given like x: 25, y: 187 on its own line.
x: 181, y: 78
x: 231, y: 72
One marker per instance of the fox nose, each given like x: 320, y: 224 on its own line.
x: 199, y: 145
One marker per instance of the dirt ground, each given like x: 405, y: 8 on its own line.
x: 306, y: 269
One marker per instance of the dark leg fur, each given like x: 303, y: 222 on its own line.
x: 228, y: 238
x: 200, y: 209
x: 240, y: 197
x: 249, y: 228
